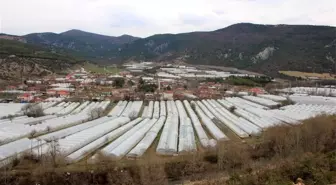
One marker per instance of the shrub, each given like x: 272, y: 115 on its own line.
x: 118, y: 82
x: 96, y: 113
x: 32, y: 110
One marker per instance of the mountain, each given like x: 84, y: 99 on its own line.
x: 83, y: 44
x: 12, y: 37
x: 261, y: 48
x: 21, y: 60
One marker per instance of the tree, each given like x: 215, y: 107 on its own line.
x: 133, y: 115
x: 32, y: 133
x: 148, y: 87
x: 130, y: 83
x: 54, y: 152
x: 141, y: 81
x: 32, y: 110
x: 193, y: 106
x: 10, y: 117
x: 232, y: 109
x: 118, y: 82
x: 96, y: 113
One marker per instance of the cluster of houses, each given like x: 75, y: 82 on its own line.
x: 172, y: 82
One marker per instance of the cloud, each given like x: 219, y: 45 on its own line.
x: 147, y: 17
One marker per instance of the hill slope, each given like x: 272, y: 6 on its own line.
x: 261, y: 48
x: 80, y: 43
x: 21, y: 60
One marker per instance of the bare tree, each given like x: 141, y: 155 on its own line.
x: 10, y: 117
x: 33, y: 110
x: 96, y: 113
x: 193, y: 106
x: 54, y: 152
x: 232, y: 109
x: 32, y: 133
x: 133, y: 115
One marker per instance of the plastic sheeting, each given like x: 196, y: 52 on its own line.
x: 118, y: 109
x: 234, y: 127
x: 80, y: 107
x: 186, y: 132
x: 72, y: 130
x: 156, y: 112
x: 145, y: 112
x: 86, y: 150
x: 147, y: 141
x: 305, y: 111
x: 15, y: 148
x: 68, y: 109
x: 272, y: 97
x: 109, y: 148
x: 201, y: 134
x: 135, y: 109
x: 212, y: 128
x: 150, y: 109
x: 121, y: 150
x: 245, y: 103
x: 169, y: 136
x: 262, y: 101
x: 205, y: 110
x: 246, y: 125
x: 80, y: 139
x: 10, y: 108
x: 163, y: 111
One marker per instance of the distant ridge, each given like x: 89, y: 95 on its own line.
x: 261, y: 48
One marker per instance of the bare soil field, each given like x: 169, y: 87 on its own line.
x: 307, y: 75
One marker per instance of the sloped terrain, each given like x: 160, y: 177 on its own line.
x: 20, y: 60
x: 80, y: 43
x: 261, y: 48
x: 265, y: 49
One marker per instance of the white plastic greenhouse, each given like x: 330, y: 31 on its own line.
x: 262, y: 101
x: 77, y: 132
x: 71, y: 130
x: 10, y: 151
x: 86, y: 150
x: 156, y: 111
x: 272, y: 97
x: 212, y: 128
x: 78, y: 140
x: 163, y: 111
x: 202, y: 136
x: 110, y: 147
x: 147, y: 141
x: 187, y: 142
x: 121, y: 150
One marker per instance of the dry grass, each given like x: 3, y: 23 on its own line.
x: 306, y: 74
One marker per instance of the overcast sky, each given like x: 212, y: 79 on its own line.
x: 147, y: 17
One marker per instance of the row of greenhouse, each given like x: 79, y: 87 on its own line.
x: 131, y: 128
